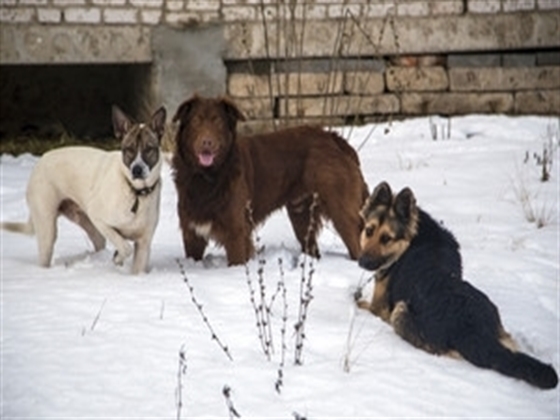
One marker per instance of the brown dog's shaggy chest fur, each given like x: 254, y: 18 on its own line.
x: 226, y: 185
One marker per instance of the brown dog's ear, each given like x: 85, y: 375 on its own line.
x: 121, y: 122
x: 405, y: 205
x: 233, y: 113
x: 185, y: 108
x: 157, y: 123
x: 232, y: 110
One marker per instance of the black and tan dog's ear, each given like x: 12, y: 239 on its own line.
x: 157, y: 123
x: 185, y: 108
x: 381, y: 196
x: 405, y: 205
x: 121, y: 122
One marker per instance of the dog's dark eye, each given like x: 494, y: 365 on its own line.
x: 385, y: 239
x: 369, y: 231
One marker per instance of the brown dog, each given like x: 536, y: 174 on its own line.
x: 226, y: 184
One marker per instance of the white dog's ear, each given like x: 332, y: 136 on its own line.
x: 157, y: 124
x: 121, y: 122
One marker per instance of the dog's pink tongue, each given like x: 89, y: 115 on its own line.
x: 206, y: 159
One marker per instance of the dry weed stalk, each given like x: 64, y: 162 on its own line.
x: 181, y: 371
x: 232, y: 412
x: 199, y: 307
x: 282, y: 286
x: 306, y: 285
x: 260, y: 308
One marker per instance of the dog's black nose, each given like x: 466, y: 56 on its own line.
x: 137, y: 172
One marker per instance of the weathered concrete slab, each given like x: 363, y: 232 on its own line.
x: 256, y: 108
x: 501, y: 78
x: 541, y: 102
x: 364, y: 83
x: 434, y: 34
x: 416, y: 79
x: 74, y: 44
x: 456, y: 103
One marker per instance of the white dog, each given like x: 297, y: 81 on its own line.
x: 113, y: 196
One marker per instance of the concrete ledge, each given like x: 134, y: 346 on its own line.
x: 434, y: 34
x: 456, y: 103
x: 37, y: 44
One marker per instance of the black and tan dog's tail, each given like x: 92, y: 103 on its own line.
x: 492, y: 355
x: 19, y: 227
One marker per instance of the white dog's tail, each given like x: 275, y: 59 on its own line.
x: 20, y: 227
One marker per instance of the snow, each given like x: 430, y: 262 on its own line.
x: 85, y: 339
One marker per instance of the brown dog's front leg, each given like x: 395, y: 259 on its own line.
x: 194, y: 245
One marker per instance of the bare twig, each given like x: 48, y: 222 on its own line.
x: 181, y: 371
x: 306, y: 285
x: 198, y: 306
x: 282, y: 285
x: 260, y: 308
x: 226, y: 391
x: 96, y: 319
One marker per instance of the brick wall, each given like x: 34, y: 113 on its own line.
x: 301, y: 60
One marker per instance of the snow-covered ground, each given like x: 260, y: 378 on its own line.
x: 85, y: 339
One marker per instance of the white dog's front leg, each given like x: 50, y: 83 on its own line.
x: 123, y: 248
x: 141, y: 256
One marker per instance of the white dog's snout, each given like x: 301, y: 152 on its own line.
x: 138, y: 168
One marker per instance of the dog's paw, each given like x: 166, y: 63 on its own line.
x: 358, y: 294
x: 121, y: 255
x: 399, y: 310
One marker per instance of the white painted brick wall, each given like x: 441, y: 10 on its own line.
x: 308, y: 11
x: 518, y: 5
x: 200, y: 5
x: 109, y: 2
x: 549, y: 4
x: 413, y: 8
x: 32, y: 2
x: 174, y: 5
x: 20, y: 15
x: 342, y: 10
x: 378, y: 10
x: 146, y: 3
x: 150, y: 17
x: 447, y: 7
x: 232, y: 13
x: 82, y: 15
x: 185, y: 18
x: 120, y: 16
x: 484, y: 6
x: 49, y: 15
x: 69, y: 2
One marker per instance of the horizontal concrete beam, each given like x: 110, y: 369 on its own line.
x: 74, y: 44
x: 434, y: 34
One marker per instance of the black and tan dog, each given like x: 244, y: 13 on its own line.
x: 419, y: 290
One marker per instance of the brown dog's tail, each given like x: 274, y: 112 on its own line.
x: 19, y: 227
x: 491, y: 354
